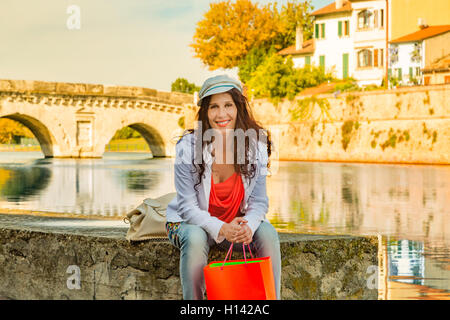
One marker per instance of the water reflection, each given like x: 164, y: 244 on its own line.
x: 407, y: 205
x: 108, y: 187
x: 20, y: 183
x: 410, y: 202
x: 406, y: 261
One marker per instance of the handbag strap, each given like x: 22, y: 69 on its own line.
x: 231, y: 250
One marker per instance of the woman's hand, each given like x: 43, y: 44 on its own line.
x: 245, y: 233
x: 230, y: 231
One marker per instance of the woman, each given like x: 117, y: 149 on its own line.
x: 221, y: 185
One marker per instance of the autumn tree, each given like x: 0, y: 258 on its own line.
x: 230, y: 29
x: 11, y: 131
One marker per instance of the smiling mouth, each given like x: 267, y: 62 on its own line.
x: 223, y: 123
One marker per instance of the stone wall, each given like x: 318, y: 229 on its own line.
x: 34, y: 264
x: 80, y: 89
x: 407, y: 125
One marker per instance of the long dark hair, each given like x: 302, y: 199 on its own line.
x: 244, y: 121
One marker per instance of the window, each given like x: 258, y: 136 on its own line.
x: 381, y: 57
x: 343, y: 28
x: 320, y: 30
x: 375, y: 19
x: 399, y: 73
x: 418, y: 71
x: 364, y: 58
x: 378, y: 57
x: 375, y: 58
x: 307, y: 60
x: 382, y: 18
x: 364, y: 19
x: 447, y: 79
x: 346, y: 28
x: 322, y: 62
x: 427, y: 80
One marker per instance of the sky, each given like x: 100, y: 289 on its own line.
x: 141, y: 43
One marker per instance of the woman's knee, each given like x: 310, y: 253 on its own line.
x: 267, y: 232
x: 193, y: 237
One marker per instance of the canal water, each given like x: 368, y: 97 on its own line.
x: 406, y: 206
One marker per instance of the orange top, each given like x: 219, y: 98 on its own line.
x: 226, y: 197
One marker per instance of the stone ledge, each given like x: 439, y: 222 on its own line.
x: 34, y: 257
x: 81, y: 89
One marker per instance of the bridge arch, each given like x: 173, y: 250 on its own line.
x: 40, y: 131
x: 151, y: 135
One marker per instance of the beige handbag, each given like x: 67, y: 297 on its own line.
x: 148, y: 220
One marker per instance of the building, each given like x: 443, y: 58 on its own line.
x: 349, y: 41
x: 437, y: 72
x: 417, y: 51
x: 404, y: 14
x: 302, y: 52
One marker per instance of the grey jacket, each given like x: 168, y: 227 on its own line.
x: 191, y: 206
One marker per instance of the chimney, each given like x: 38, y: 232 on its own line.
x: 339, y: 4
x: 298, y: 38
x: 422, y: 23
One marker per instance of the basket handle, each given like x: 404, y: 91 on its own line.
x: 231, y: 250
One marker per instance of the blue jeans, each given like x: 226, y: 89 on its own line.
x: 194, y: 244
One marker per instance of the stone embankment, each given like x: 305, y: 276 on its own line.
x: 405, y: 125
x: 43, y: 258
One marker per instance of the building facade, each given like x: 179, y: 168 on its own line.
x: 348, y: 41
x: 413, y: 53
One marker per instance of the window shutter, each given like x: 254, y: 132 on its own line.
x: 345, y: 66
x: 340, y: 28
x: 400, y: 74
x: 347, y: 28
x: 307, y: 60
x: 323, y: 30
x: 317, y: 31
x: 322, y: 62
x: 375, y: 58
x: 375, y: 18
x: 410, y: 72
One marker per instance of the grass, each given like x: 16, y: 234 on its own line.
x: 128, y: 145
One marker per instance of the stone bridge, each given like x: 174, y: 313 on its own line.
x: 78, y: 120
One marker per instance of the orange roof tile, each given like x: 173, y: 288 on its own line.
x: 307, y: 47
x: 331, y: 8
x: 423, y: 34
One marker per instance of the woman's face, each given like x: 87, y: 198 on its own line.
x: 222, y: 112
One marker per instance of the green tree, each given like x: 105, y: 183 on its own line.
x: 183, y: 85
x: 126, y: 133
x: 253, y: 60
x: 276, y: 78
